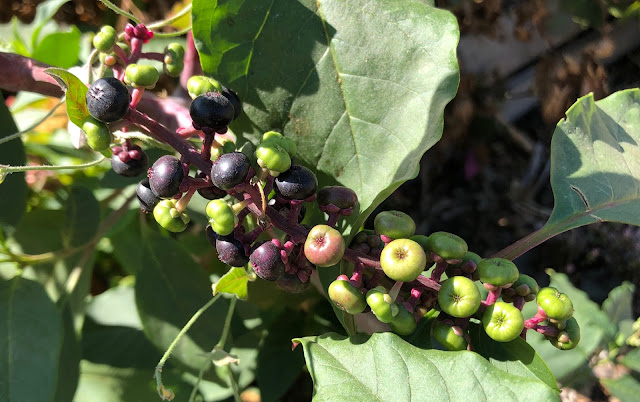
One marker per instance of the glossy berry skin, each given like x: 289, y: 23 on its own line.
x: 498, y: 272
x: 447, y: 337
x: 347, y: 297
x: 459, y: 297
x: 146, y: 198
x: 297, y: 183
x: 200, y: 84
x: 105, y: 39
x: 131, y: 168
x: 556, y: 305
x: 404, y: 323
x: 403, y: 260
x: 569, y: 337
x: 231, y: 251
x: 169, y: 217
x: 108, y: 100
x: 324, y: 246
x: 229, y: 170
x: 292, y: 284
x: 502, y: 322
x: 212, y: 110
x: 447, y: 245
x: 166, y: 175
x: 221, y: 217
x: 97, y: 133
x: 394, y: 224
x: 234, y: 100
x: 382, y: 305
x: 266, y: 262
x: 141, y: 76
x: 272, y: 156
x: 285, y: 142
x: 341, y: 197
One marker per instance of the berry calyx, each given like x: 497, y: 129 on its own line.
x: 211, y: 110
x: 98, y: 135
x: 169, y: 217
x: 141, y: 76
x: 498, y: 272
x: 108, y: 99
x: 449, y: 337
x: 129, y: 162
x: 556, y: 305
x: 266, y: 262
x: 229, y: 170
x: 324, y: 246
x: 231, y: 251
x: 146, y: 198
x: 447, y: 245
x: 105, y: 39
x: 403, y: 260
x: 502, y: 322
x: 297, y: 183
x: 347, y: 297
x: 459, y: 297
x: 221, y: 217
x: 394, y: 224
x: 165, y: 176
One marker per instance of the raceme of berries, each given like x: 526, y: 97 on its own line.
x: 129, y: 161
x: 297, y: 183
x: 108, y: 99
x: 166, y: 175
x: 146, y: 197
x: 211, y: 110
x: 229, y: 170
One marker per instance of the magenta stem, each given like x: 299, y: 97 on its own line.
x: 153, y: 56
x: 535, y: 320
x: 206, y: 146
x: 136, y: 50
x: 439, y: 269
x: 333, y: 218
x: 136, y: 96
x: 547, y: 330
x: 493, y: 296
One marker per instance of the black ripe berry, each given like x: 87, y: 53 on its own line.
x: 297, y: 183
x: 211, y: 110
x: 229, y: 170
x: 147, y: 199
x: 231, y: 251
x: 165, y: 176
x: 130, y: 162
x: 266, y: 262
x: 108, y: 99
x: 234, y: 99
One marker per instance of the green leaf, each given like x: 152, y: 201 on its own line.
x: 618, y: 306
x: 60, y: 49
x: 516, y: 357
x: 625, y: 388
x: 170, y: 288
x: 632, y: 360
x: 384, y: 367
x: 233, y: 282
x: 82, y: 217
x: 32, y: 333
x: 76, y: 94
x: 12, y: 153
x: 69, y: 363
x: 44, y: 13
x: 360, y: 86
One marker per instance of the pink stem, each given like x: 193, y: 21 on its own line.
x: 153, y: 56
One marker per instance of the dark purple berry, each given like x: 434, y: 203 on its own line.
x: 266, y: 262
x: 297, y: 183
x: 165, y: 176
x: 234, y: 99
x: 211, y: 192
x: 108, y: 99
x: 147, y: 199
x: 211, y: 110
x: 229, y: 170
x: 292, y: 284
x: 341, y: 197
x: 125, y: 165
x: 231, y: 251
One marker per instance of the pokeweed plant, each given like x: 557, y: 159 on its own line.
x: 304, y: 117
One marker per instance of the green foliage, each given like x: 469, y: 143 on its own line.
x: 76, y: 93
x: 12, y: 153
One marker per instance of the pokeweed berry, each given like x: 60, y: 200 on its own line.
x: 347, y: 297
x: 447, y: 245
x: 449, y: 337
x: 382, y: 306
x: 502, y: 322
x: 266, y: 262
x: 173, y: 59
x: 324, y: 246
x: 341, y: 197
x: 169, y: 217
x: 165, y: 176
x: 235, y: 101
x: 286, y: 143
x: 292, y: 284
x: 200, y: 84
x: 231, y: 251
x: 404, y: 323
x: 229, y: 170
x: 498, y: 272
x: 105, y: 39
x: 403, y: 260
x: 211, y: 110
x: 108, y: 99
x: 98, y: 135
x: 141, y: 76
x: 146, y: 198
x: 297, y: 183
x: 459, y: 297
x: 221, y: 217
x: 129, y: 163
x: 526, y: 287
x: 272, y: 156
x: 569, y: 337
x: 394, y: 224
x: 556, y: 305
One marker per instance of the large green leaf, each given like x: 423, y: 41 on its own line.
x: 360, y: 86
x: 31, y: 339
x: 595, y: 167
x: 386, y: 368
x: 70, y: 355
x: 75, y: 94
x: 59, y: 49
x: 82, y: 217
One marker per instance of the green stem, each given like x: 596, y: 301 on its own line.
x: 158, y: 373
x: 120, y: 11
x: 528, y: 242
x: 170, y: 20
x: 172, y: 34
x: 234, y: 385
x: 5, y: 169
x: 13, y: 136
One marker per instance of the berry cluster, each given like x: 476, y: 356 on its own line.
x: 263, y: 189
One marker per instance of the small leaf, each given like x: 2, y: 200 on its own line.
x: 384, y: 367
x: 44, y: 13
x: 76, y: 94
x: 60, y: 49
x: 31, y: 338
x: 233, y: 282
x: 632, y: 360
x: 625, y: 388
x: 618, y: 306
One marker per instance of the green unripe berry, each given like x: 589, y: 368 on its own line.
x: 394, y: 224
x: 381, y: 305
x: 498, y: 272
x: 221, y: 217
x: 97, y: 133
x: 569, y: 337
x: 169, y: 217
x: 347, y: 297
x: 403, y: 260
x: 404, y: 323
x: 447, y: 245
x: 556, y: 305
x: 502, y: 322
x: 525, y: 285
x: 105, y: 39
x: 200, y: 84
x: 459, y: 297
x: 421, y: 240
x: 272, y: 156
x: 141, y: 76
x: 286, y: 143
x: 173, y: 59
x: 446, y: 336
